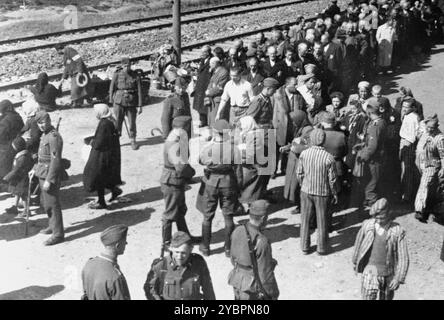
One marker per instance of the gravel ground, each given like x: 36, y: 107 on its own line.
x: 32, y: 271
x: 26, y: 65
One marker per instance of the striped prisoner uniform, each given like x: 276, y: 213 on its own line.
x: 317, y: 174
x: 430, y: 159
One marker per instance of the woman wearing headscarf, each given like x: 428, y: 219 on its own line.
x: 404, y: 93
x: 252, y: 184
x: 45, y: 93
x: 103, y: 167
x: 31, y: 132
x: 10, y: 126
x: 301, y: 134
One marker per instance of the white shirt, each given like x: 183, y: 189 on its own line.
x: 239, y: 94
x: 307, y: 95
x: 410, y: 127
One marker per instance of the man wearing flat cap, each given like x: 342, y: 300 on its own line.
x: 101, y: 276
x: 49, y: 171
x: 253, y: 275
x: 175, y: 105
x: 380, y: 254
x: 125, y: 93
x: 175, y: 174
x: 181, y: 275
x: 219, y: 185
x: 430, y: 160
x: 317, y: 175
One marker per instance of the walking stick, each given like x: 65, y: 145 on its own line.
x: 28, y: 202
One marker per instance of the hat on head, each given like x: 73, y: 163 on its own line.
x: 328, y: 117
x: 317, y: 137
x: 432, y: 121
x: 181, y: 122
x: 337, y: 94
x: 19, y: 144
x: 214, y: 59
x: 271, y: 83
x: 180, y: 82
x: 220, y: 125
x: 102, y: 111
x: 259, y: 208
x: 113, y: 234
x: 42, y: 116
x: 179, y: 238
x: 364, y: 84
x: 310, y: 68
x: 125, y: 60
x: 380, y: 206
x: 374, y: 102
x: 5, y: 105
x: 297, y: 117
x: 373, y: 109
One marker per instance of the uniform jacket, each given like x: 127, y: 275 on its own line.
x: 49, y: 166
x: 261, y: 110
x: 126, y: 89
x: 256, y: 81
x: 174, y: 106
x: 281, y: 110
x: 172, y: 282
x: 374, y: 141
x: 176, y: 168
x: 242, y: 276
x: 217, y: 83
x: 397, y: 253
x: 336, y: 144
x: 103, y: 280
x: 73, y: 63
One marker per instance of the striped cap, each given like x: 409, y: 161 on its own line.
x: 317, y: 137
x: 380, y: 206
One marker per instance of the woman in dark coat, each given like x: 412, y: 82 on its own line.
x: 17, y: 178
x: 103, y: 167
x: 10, y: 126
x: 45, y: 93
x: 302, y: 129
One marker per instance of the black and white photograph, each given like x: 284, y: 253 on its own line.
x: 230, y: 150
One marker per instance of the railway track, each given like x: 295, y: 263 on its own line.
x: 189, y: 55
x: 154, y: 23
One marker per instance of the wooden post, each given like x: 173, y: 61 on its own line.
x: 177, y: 30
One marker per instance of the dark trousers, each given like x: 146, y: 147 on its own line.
x: 372, y: 187
x: 51, y: 205
x: 203, y: 118
x: 175, y: 210
x: 309, y: 203
x: 208, y: 199
x: 131, y: 113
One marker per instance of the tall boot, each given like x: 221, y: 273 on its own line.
x: 134, y: 144
x: 229, y: 227
x: 206, y: 239
x: 166, y: 233
x: 182, y: 226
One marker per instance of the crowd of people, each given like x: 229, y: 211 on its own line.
x: 305, y: 104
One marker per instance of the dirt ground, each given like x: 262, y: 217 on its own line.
x: 30, y: 270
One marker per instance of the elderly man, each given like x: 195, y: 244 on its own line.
x: 362, y: 96
x: 350, y: 66
x: 239, y: 93
x: 304, y: 57
x: 181, y: 275
x: 253, y: 275
x: 49, y: 171
x: 381, y: 254
x: 333, y: 59
x: 203, y: 79
x: 317, y: 175
x: 101, y: 276
x: 254, y: 75
x: 218, y: 80
x: 273, y: 67
x: 430, y: 160
x: 234, y: 60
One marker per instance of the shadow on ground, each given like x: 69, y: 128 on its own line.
x: 32, y: 293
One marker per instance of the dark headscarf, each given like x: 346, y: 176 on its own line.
x: 42, y: 82
x: 5, y: 106
x: 19, y: 144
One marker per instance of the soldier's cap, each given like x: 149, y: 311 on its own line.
x: 42, y: 116
x: 328, y: 117
x: 259, y: 208
x: 374, y: 102
x: 271, y: 83
x: 125, y: 60
x: 337, y: 94
x: 181, y: 121
x: 379, y: 207
x: 432, y: 121
x: 113, y: 234
x: 180, y: 82
x: 179, y: 238
x: 373, y: 109
x: 364, y: 84
x: 317, y: 137
x: 220, y: 125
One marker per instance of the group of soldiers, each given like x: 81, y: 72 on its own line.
x: 302, y: 99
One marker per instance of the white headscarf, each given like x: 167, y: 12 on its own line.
x: 30, y: 107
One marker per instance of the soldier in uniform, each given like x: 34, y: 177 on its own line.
x: 175, y: 105
x: 181, y: 275
x: 49, y: 169
x: 245, y: 284
x: 176, y: 172
x: 101, y: 276
x: 372, y: 154
x: 219, y: 185
x: 125, y: 92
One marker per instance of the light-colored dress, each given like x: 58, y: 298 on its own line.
x: 385, y: 36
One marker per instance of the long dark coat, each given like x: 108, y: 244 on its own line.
x: 73, y: 64
x: 103, y: 167
x: 10, y: 126
x: 18, y: 177
x: 203, y: 79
